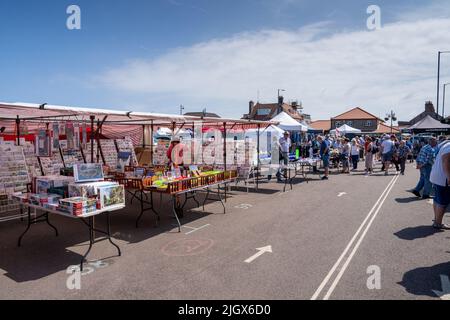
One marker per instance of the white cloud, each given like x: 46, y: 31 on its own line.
x: 329, y: 71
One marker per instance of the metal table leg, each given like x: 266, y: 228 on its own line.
x: 92, y: 240
x: 174, y: 209
x: 36, y: 220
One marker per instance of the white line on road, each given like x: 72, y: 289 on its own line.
x: 260, y: 253
x: 342, y: 194
x: 199, y: 228
x: 378, y: 205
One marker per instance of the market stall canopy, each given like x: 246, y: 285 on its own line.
x: 345, y: 129
x: 31, y: 113
x: 430, y: 124
x: 286, y: 122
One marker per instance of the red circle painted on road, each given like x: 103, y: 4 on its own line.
x: 187, y: 247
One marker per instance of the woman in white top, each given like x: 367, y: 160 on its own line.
x: 354, y: 152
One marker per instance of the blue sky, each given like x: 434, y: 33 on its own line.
x: 155, y: 55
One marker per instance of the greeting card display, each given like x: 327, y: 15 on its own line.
x: 126, y: 145
x: 51, y: 166
x: 88, y: 172
x: 43, y: 143
x: 55, y: 135
x: 160, y: 153
x: 70, y: 136
x: 13, y: 170
x: 109, y: 152
x: 34, y: 169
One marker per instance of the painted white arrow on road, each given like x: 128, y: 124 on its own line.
x: 342, y: 194
x: 260, y: 253
x: 445, y: 293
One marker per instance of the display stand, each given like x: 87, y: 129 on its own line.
x: 87, y: 220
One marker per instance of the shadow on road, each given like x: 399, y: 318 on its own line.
x: 408, y: 200
x: 422, y: 281
x: 418, y: 232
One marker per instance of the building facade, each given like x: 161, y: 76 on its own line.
x: 268, y: 111
x: 357, y: 118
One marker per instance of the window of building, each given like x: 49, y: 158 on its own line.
x: 368, y: 123
x: 350, y: 123
x: 338, y: 124
x: 263, y: 112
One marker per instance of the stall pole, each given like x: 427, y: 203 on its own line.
x: 18, y: 130
x: 143, y: 136
x: 225, y: 145
x: 92, y: 138
x: 97, y: 138
x: 224, y: 156
x: 152, y: 127
x: 258, y: 163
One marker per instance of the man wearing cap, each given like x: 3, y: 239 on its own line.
x: 285, y: 146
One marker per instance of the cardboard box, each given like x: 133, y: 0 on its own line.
x: 112, y: 196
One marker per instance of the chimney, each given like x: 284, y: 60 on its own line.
x: 280, y: 104
x: 429, y: 107
x: 251, y: 104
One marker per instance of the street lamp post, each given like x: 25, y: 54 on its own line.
x: 280, y: 90
x: 391, y: 117
x: 439, y: 78
x: 443, y: 101
x: 181, y: 109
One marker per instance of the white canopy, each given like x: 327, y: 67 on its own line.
x: 288, y: 123
x: 345, y: 129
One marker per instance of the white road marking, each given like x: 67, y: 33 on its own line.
x: 196, y: 229
x: 342, y: 194
x: 430, y: 201
x: 445, y: 293
x: 373, y: 212
x: 260, y: 253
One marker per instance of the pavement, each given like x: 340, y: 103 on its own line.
x: 351, y: 237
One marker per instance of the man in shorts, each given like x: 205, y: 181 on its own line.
x: 387, y: 151
x: 440, y: 177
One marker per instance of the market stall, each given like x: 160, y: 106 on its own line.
x: 66, y: 137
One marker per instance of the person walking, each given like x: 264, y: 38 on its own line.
x: 403, y: 152
x: 425, y: 161
x: 354, y: 152
x: 346, y: 148
x: 325, y: 145
x: 387, y: 151
x: 370, y: 150
x: 285, y: 146
x: 440, y: 177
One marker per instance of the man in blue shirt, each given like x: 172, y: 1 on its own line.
x: 325, y: 145
x: 425, y: 161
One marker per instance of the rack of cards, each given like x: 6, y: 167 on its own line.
x: 109, y: 152
x: 87, y: 152
x: 126, y: 145
x: 14, y: 178
x: 34, y: 169
x: 160, y: 153
x: 52, y: 166
x: 72, y: 157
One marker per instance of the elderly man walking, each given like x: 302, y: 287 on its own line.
x: 425, y: 162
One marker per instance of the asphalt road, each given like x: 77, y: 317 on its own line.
x: 325, y: 236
